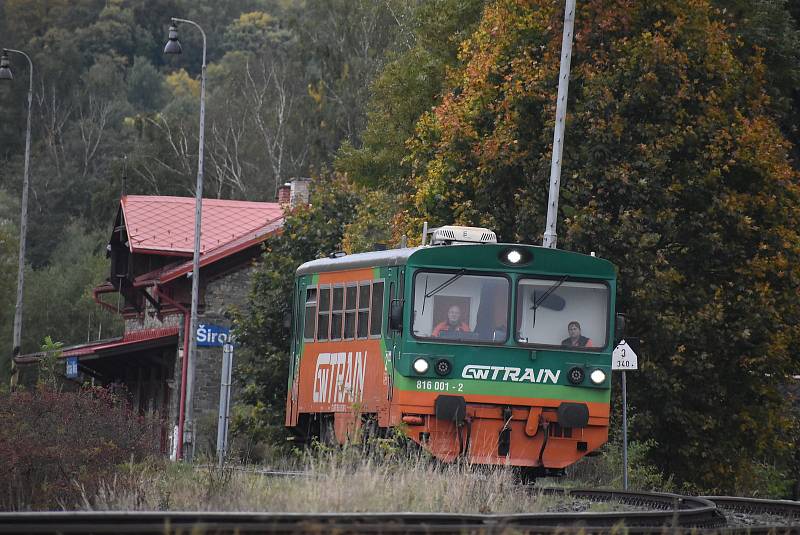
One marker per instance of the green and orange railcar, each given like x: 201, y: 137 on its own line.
x: 469, y: 348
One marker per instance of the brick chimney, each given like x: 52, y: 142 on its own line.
x: 299, y: 191
x: 285, y: 193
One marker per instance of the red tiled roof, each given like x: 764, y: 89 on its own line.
x: 173, y: 271
x: 129, y: 339
x: 166, y: 224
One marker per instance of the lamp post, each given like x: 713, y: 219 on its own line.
x: 6, y: 74
x: 173, y: 46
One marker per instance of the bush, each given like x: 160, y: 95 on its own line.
x: 56, y: 445
x: 605, y: 469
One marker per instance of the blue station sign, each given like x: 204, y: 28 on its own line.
x: 212, y: 335
x: 72, y: 367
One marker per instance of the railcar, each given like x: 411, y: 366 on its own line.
x: 467, y: 346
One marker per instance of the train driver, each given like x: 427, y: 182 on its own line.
x: 575, y: 339
x: 452, y: 325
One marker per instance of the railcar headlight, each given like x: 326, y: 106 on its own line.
x: 576, y: 375
x: 515, y: 256
x: 597, y: 376
x: 421, y: 365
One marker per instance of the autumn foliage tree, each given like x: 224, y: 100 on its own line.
x: 676, y: 170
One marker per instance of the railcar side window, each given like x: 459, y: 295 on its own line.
x: 324, y: 315
x: 461, y: 307
x: 311, y: 314
x: 337, y: 311
x: 363, y: 310
x: 350, y: 307
x: 557, y: 312
x: 376, y: 313
x: 343, y: 312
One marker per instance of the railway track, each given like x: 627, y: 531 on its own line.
x: 756, y: 516
x: 652, y: 513
x: 784, y: 508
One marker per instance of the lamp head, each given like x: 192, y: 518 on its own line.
x: 5, y: 67
x: 173, y: 46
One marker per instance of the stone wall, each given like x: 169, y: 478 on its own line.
x: 221, y: 293
x: 149, y: 320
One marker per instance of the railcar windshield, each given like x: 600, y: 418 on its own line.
x: 562, y: 313
x: 462, y: 307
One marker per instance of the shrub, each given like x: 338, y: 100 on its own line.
x: 605, y: 469
x: 55, y: 444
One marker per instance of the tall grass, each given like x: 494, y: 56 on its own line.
x: 349, y: 480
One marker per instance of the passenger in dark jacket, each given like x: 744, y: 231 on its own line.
x: 575, y: 339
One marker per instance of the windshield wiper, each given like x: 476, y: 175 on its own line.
x: 544, y: 296
x: 446, y: 283
x: 550, y: 290
x: 425, y: 293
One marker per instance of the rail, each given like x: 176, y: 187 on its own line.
x: 668, y: 510
x: 783, y: 508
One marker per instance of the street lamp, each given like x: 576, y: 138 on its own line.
x: 5, y: 67
x: 173, y: 46
x: 7, y: 74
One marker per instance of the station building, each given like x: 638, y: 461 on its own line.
x: 149, y: 284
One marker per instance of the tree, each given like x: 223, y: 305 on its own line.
x: 9, y: 248
x: 145, y: 86
x: 343, y: 43
x: 256, y: 32
x: 771, y: 29
x: 58, y: 297
x: 309, y: 232
x: 372, y: 223
x: 407, y: 87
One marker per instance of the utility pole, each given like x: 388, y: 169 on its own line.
x: 550, y: 237
x: 6, y: 74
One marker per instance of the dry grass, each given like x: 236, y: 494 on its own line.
x: 340, y: 481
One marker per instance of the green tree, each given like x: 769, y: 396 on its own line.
x: 309, y: 232
x: 256, y: 31
x: 58, y: 297
x: 9, y: 248
x: 343, y: 45
x: 406, y: 87
x: 114, y: 32
x: 372, y: 223
x: 145, y: 86
x: 49, y: 365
